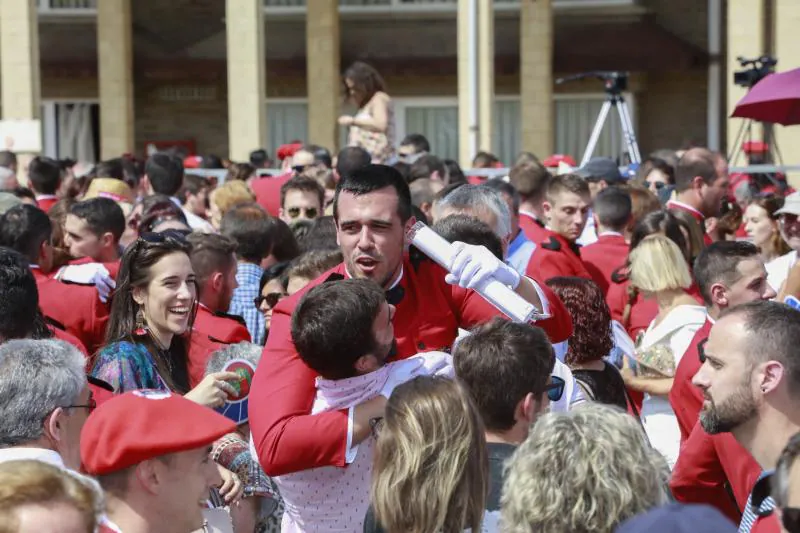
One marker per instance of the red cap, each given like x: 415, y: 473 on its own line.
x: 288, y: 150
x: 193, y: 161
x: 755, y: 147
x: 141, y: 425
x: 555, y: 159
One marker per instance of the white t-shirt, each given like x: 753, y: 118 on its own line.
x: 778, y: 269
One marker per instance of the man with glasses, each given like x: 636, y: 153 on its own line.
x: 507, y: 367
x: 783, y: 273
x: 302, y: 198
x: 45, y: 400
x: 214, y: 263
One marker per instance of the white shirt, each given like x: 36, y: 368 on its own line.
x: 195, y: 222
x: 589, y: 234
x: 778, y: 270
x: 32, y: 454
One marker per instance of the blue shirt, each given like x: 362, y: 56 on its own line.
x: 520, y: 251
x: 249, y: 276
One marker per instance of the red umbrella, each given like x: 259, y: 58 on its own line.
x: 776, y: 99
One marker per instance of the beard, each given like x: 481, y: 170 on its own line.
x: 730, y: 414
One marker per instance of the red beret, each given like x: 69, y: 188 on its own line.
x: 286, y: 151
x: 555, y: 159
x: 141, y: 425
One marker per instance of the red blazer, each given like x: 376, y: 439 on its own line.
x: 706, y: 463
x: 211, y: 332
x: 701, y: 220
x: 268, y: 192
x: 686, y: 399
x: 427, y: 318
x: 533, y: 228
x: 45, y: 204
x: 554, y: 256
x: 604, y: 256
x: 75, y: 307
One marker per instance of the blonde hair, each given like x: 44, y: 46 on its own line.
x: 36, y: 483
x: 582, y: 471
x: 231, y: 194
x: 658, y: 264
x: 431, y: 469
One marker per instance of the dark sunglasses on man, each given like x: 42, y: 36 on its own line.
x: 310, y: 212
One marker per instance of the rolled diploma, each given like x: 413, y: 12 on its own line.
x: 501, y: 296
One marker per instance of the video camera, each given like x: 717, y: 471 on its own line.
x: 760, y: 67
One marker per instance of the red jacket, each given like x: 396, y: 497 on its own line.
x: 268, y: 192
x: 75, y: 307
x: 686, y: 399
x: 211, y: 332
x: 46, y: 202
x: 698, y: 216
x: 427, y: 318
x: 555, y: 256
x: 604, y: 256
x: 533, y: 228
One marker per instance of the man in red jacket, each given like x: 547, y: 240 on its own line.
x: 530, y: 180
x: 372, y: 210
x: 44, y: 176
x: 728, y: 273
x: 612, y: 215
x: 28, y: 230
x: 214, y: 263
x: 566, y: 209
x: 701, y: 182
x: 93, y: 229
x: 750, y: 378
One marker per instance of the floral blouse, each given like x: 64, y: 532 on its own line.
x: 127, y: 366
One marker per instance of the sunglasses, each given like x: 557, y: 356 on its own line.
x: 272, y: 299
x: 163, y: 236
x: 657, y: 184
x: 310, y: 212
x: 555, y: 389
x: 791, y: 519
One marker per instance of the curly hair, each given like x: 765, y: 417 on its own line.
x: 591, y: 318
x: 431, y: 468
x: 607, y: 474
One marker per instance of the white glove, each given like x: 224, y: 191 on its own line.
x: 471, y: 265
x: 89, y: 274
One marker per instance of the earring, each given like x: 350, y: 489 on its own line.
x: 141, y: 325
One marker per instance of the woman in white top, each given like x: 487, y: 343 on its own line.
x: 659, y: 270
x: 372, y: 127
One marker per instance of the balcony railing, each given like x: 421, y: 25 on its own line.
x: 356, y: 6
x: 68, y: 7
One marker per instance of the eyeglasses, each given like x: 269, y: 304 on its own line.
x: 299, y: 169
x: 375, y: 425
x: 555, y: 389
x: 791, y: 519
x: 310, y: 212
x: 91, y: 406
x: 272, y: 299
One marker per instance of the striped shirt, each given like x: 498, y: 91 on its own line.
x: 759, y: 503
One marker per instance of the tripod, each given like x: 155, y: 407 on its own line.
x: 615, y: 83
x: 745, y: 134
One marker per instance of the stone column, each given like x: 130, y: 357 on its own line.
x: 536, y: 76
x: 787, y: 50
x: 115, y: 78
x: 323, y: 76
x: 247, y: 127
x: 486, y: 75
x: 19, y: 59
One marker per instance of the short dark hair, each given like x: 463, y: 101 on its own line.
x: 404, y: 169
x: 332, y: 325
x: 418, y: 141
x: 321, y: 236
x: 500, y: 363
x: 530, y: 180
x: 210, y: 253
x: 101, y: 215
x: 258, y: 158
x: 774, y: 331
x: 211, y: 162
x: 23, y: 192
x: 314, y: 263
x: 506, y: 189
x: 591, y: 339
x: 19, y: 296
x: 24, y: 228
x: 44, y: 174
x: 484, y: 159
x: 718, y: 262
x: 321, y: 154
x: 284, y: 244
x: 659, y: 222
x: 165, y: 173
x: 252, y: 229
x: 425, y: 166
x: 305, y: 184
x: 351, y: 159
x: 454, y: 173
x: 613, y: 207
x: 372, y: 178
x: 110, y: 168
x: 468, y: 229
x: 8, y: 159
x: 695, y: 162
x: 193, y: 184
x: 567, y: 183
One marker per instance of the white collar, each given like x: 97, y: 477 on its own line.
x: 610, y: 234
x: 46, y: 197
x: 20, y: 453
x: 687, y: 207
x: 394, y: 283
x: 528, y: 214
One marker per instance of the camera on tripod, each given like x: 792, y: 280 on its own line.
x: 615, y: 82
x: 760, y: 67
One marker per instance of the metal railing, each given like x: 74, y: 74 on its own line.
x: 355, y: 6
x: 78, y: 7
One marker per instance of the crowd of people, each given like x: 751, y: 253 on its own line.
x: 271, y: 353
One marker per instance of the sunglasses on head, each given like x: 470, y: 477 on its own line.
x: 310, y: 212
x: 162, y: 236
x: 271, y: 298
x: 555, y: 389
